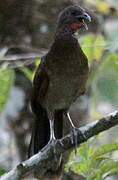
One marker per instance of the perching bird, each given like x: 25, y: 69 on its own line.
x: 59, y: 80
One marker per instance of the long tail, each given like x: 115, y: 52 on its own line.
x: 41, y: 130
x: 58, y: 124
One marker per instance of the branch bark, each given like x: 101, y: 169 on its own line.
x: 23, y: 56
x: 44, y: 160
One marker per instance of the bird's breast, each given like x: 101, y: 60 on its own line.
x: 66, y: 82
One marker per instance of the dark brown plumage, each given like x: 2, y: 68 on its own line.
x: 59, y: 80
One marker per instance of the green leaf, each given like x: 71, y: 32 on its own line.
x: 93, y: 163
x: 112, y: 172
x: 6, y: 82
x: 81, y: 165
x: 104, y: 149
x: 28, y: 73
x: 105, y: 168
x: 37, y: 62
x: 2, y: 171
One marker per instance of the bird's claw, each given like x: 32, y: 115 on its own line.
x: 74, y: 138
x: 84, y: 135
x: 52, y: 142
x: 60, y: 142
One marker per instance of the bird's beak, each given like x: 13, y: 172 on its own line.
x: 86, y: 17
x: 83, y: 19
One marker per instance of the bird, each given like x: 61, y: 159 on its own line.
x: 59, y: 79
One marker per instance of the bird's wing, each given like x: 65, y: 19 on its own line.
x: 40, y: 86
x: 40, y: 128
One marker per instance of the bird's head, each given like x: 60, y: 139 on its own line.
x: 73, y: 18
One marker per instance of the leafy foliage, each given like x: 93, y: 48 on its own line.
x: 104, y: 83
x: 107, y: 83
x: 29, y: 73
x: 6, y: 82
x: 94, y: 163
x: 93, y: 47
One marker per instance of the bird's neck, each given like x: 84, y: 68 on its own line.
x: 64, y: 42
x: 64, y: 30
x: 66, y: 50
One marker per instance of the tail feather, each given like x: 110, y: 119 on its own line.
x: 40, y: 132
x: 58, y: 124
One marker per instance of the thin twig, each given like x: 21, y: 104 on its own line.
x: 17, y: 57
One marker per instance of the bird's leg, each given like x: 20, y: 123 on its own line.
x: 74, y: 138
x: 53, y: 140
x: 52, y: 136
x: 51, y: 121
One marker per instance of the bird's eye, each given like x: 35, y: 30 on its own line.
x: 74, y: 13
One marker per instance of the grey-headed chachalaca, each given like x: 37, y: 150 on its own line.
x: 59, y: 80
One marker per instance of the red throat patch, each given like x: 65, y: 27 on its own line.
x: 74, y: 26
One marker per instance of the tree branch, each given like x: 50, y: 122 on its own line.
x: 17, y: 57
x: 44, y: 159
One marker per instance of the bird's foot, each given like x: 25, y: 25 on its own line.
x: 60, y: 142
x: 74, y: 138
x: 52, y: 142
x: 58, y: 158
